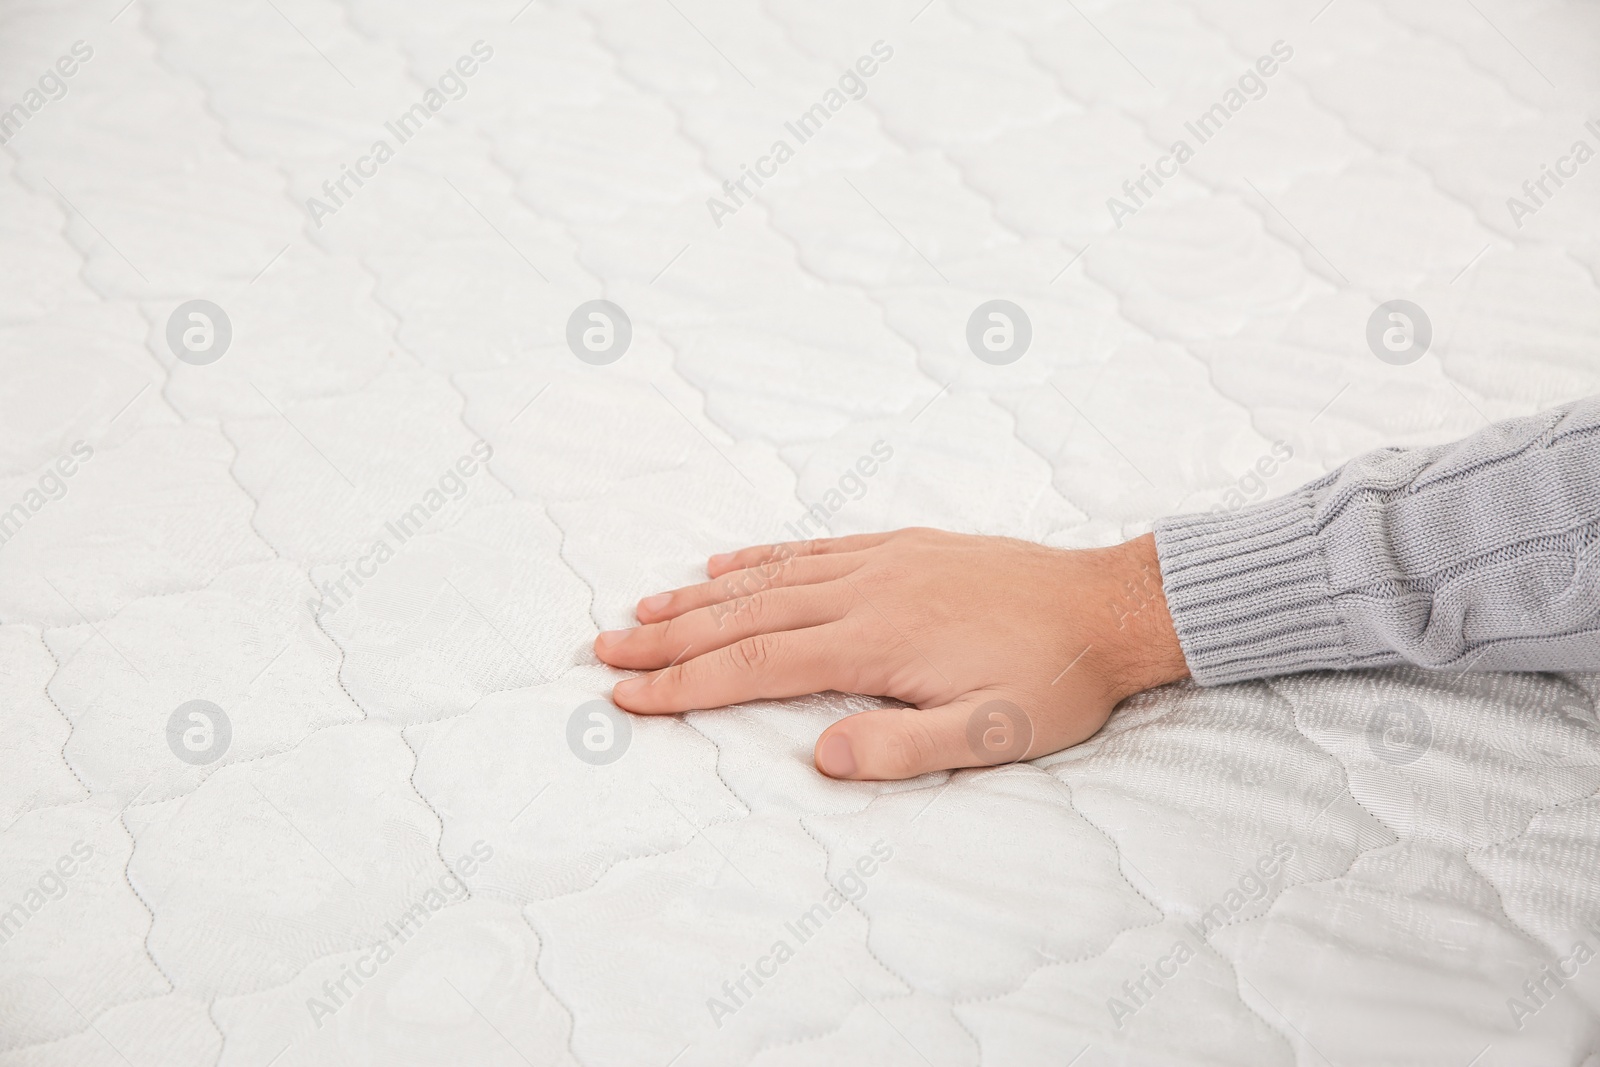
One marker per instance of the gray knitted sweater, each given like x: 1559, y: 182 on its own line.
x: 1478, y: 555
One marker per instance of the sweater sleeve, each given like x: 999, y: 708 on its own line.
x: 1482, y: 555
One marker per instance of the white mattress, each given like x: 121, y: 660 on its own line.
x: 1431, y: 843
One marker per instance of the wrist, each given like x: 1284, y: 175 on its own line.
x: 1144, y: 649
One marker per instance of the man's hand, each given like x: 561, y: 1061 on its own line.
x: 1008, y: 649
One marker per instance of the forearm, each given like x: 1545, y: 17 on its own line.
x: 1483, y: 554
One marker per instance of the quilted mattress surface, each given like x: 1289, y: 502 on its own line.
x: 320, y: 469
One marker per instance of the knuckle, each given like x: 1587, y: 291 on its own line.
x: 738, y: 583
x: 758, y: 609
x: 743, y: 584
x: 680, y: 677
x: 664, y: 634
x: 909, y: 750
x: 753, y: 654
x: 745, y: 610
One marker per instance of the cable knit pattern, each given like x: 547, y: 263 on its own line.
x: 1483, y: 554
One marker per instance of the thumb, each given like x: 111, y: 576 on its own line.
x: 978, y: 730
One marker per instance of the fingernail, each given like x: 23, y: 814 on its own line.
x: 630, y: 687
x: 720, y: 559
x: 834, y: 757
x: 655, y: 603
x: 608, y: 638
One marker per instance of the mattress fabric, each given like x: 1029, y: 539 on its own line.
x: 320, y: 467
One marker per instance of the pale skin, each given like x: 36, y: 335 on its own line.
x: 949, y: 623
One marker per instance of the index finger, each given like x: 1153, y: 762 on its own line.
x: 763, y: 666
x: 756, y: 555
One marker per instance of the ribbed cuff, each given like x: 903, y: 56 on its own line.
x: 1249, y: 591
